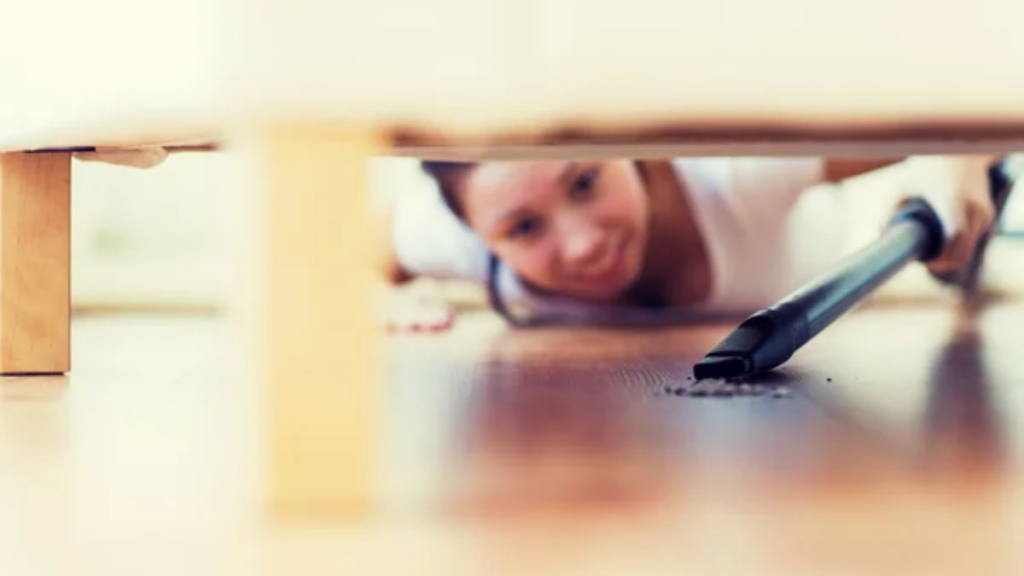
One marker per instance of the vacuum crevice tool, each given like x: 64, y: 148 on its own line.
x: 771, y: 336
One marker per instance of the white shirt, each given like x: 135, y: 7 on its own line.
x: 768, y: 224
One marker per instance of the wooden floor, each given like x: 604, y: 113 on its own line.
x: 551, y: 452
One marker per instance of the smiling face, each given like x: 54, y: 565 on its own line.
x: 571, y: 228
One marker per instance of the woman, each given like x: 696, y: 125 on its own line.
x: 650, y: 241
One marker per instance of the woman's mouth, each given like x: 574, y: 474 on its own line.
x: 610, y: 271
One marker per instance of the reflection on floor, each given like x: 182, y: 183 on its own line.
x: 554, y: 452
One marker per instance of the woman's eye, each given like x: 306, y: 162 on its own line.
x: 583, y: 186
x: 524, y: 227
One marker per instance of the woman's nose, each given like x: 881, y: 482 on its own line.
x: 583, y: 245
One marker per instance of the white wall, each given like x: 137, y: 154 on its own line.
x: 156, y: 237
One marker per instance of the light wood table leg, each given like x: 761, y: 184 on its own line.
x: 315, y: 332
x: 35, y: 263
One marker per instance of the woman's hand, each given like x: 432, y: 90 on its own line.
x: 957, y: 187
x: 407, y: 311
x: 419, y: 318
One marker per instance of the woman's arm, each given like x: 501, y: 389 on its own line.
x: 390, y: 266
x: 419, y: 236
x: 956, y: 186
x: 401, y: 310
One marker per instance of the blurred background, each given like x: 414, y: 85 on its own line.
x: 154, y: 239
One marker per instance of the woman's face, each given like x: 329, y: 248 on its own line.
x: 573, y: 228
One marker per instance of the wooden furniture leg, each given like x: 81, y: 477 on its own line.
x: 35, y: 263
x: 316, y: 336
